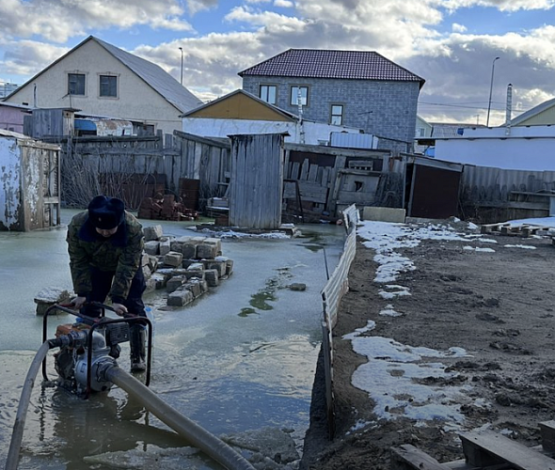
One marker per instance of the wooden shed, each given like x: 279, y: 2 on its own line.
x: 30, y: 189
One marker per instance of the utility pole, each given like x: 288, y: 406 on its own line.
x: 491, y: 89
x: 181, y: 49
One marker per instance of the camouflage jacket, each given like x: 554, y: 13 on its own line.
x: 120, y: 254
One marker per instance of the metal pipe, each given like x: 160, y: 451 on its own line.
x: 191, y: 431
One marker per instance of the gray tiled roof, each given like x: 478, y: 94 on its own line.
x: 316, y: 63
x: 156, y: 77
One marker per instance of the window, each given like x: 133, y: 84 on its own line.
x: 299, y: 90
x: 336, y: 114
x: 108, y: 85
x: 268, y: 93
x: 76, y: 84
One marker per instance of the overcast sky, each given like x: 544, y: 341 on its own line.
x: 452, y: 44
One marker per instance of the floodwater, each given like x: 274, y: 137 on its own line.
x: 241, y: 358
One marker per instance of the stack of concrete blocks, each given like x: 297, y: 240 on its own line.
x: 186, y: 267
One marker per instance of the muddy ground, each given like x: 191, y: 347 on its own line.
x: 498, y: 306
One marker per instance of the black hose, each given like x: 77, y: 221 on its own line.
x: 17, y: 435
x: 195, y: 434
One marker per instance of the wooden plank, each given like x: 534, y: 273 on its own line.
x: 409, y: 457
x: 488, y: 448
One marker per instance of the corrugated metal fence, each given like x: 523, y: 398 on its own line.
x: 336, y: 287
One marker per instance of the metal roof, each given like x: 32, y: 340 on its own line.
x: 317, y: 63
x: 156, y: 77
x: 540, y: 108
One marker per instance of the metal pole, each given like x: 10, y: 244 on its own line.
x: 491, y: 89
x: 181, y: 49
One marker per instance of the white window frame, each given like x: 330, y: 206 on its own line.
x: 293, y: 101
x: 265, y: 93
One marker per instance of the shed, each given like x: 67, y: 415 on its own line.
x: 30, y: 190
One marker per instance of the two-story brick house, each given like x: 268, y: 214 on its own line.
x: 359, y: 89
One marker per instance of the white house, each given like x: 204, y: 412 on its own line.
x: 103, y: 80
x: 529, y: 148
x: 240, y: 112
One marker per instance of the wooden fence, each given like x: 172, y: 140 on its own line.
x: 334, y: 290
x: 134, y: 167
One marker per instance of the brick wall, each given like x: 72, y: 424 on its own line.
x: 384, y: 108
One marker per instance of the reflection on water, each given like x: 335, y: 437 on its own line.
x: 229, y: 372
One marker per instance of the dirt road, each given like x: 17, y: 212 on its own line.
x: 488, y: 304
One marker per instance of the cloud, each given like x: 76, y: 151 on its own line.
x: 195, y: 6
x: 56, y: 21
x: 501, y: 5
x: 283, y: 4
x: 420, y: 35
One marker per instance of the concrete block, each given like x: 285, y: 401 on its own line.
x: 153, y: 233
x: 165, y: 246
x: 175, y: 283
x: 185, y: 246
x: 173, y: 258
x: 384, y: 214
x: 180, y: 298
x: 152, y: 248
x: 158, y: 281
x: 207, y: 251
x: 195, y: 270
x: 48, y: 297
x: 212, y: 277
x: 228, y: 264
x: 194, y: 285
x: 218, y: 266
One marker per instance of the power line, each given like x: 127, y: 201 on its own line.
x: 463, y: 106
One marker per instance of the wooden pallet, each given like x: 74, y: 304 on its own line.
x: 517, y: 230
x: 485, y: 451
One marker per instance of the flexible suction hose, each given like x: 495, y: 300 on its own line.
x: 195, y: 434
x: 17, y: 435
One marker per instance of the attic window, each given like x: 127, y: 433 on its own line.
x: 75, y: 83
x: 108, y: 86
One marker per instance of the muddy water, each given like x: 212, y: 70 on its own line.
x: 242, y: 358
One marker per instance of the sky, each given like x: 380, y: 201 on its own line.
x: 452, y: 44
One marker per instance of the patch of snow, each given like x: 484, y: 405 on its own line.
x: 398, y: 292
x: 389, y: 311
x: 526, y: 247
x: 478, y: 249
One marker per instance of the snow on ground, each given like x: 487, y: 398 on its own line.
x: 389, y: 374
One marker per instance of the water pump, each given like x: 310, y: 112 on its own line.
x: 88, y: 347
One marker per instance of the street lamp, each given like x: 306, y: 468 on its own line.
x: 491, y: 89
x: 181, y: 49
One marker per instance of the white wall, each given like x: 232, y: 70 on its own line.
x: 517, y: 148
x: 135, y: 101
x: 314, y: 132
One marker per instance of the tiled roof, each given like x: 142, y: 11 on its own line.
x: 316, y: 63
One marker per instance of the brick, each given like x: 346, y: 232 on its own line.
x: 228, y: 264
x: 173, y: 258
x: 218, y: 266
x: 212, y: 277
x: 165, y: 246
x: 175, y: 283
x: 153, y: 233
x: 207, y: 251
x: 194, y: 285
x: 159, y: 281
x: 152, y: 248
x: 180, y: 298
